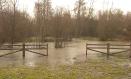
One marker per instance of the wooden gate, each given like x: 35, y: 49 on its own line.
x: 25, y: 47
x: 108, y: 47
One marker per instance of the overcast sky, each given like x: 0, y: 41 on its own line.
x: 124, y: 5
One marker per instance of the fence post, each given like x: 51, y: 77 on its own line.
x: 86, y: 49
x: 23, y: 49
x: 108, y: 50
x: 130, y: 49
x: 39, y: 45
x: 47, y: 49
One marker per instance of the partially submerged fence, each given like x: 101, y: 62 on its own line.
x: 25, y: 47
x: 108, y: 47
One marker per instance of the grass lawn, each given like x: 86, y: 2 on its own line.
x: 91, y: 69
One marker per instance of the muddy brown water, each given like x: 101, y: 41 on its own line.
x: 73, y: 52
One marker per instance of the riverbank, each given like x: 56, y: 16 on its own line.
x: 90, y: 69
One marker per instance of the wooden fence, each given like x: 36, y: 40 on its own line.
x: 108, y: 47
x: 25, y: 47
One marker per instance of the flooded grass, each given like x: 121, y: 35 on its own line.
x: 90, y: 69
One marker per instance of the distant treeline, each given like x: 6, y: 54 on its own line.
x: 62, y: 23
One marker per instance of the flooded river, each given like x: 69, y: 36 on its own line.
x: 74, y: 51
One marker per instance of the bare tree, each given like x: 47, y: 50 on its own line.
x: 111, y: 27
x: 67, y: 25
x: 44, y: 12
x: 13, y: 3
x: 80, y: 11
x: 91, y: 9
x: 39, y: 19
x: 47, y: 12
x: 3, y: 6
x: 127, y: 29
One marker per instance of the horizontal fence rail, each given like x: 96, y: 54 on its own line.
x: 108, y: 47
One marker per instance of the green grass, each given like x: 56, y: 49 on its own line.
x: 92, y: 69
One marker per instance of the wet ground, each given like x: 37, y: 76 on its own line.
x: 74, y: 51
